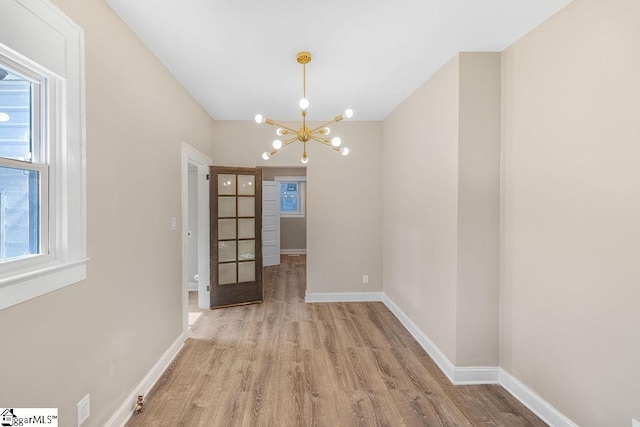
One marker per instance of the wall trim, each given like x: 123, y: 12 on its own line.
x: 535, y: 403
x: 481, y: 374
x: 476, y: 375
x: 432, y: 350
x: 344, y: 297
x: 125, y: 411
x: 293, y: 251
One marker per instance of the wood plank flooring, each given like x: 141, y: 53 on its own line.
x: 287, y: 363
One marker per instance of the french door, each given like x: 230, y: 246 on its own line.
x: 236, y: 230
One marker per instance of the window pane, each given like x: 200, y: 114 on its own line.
x: 226, y: 251
x: 226, y: 184
x: 19, y: 213
x: 15, y: 116
x: 246, y: 185
x: 289, y: 197
x: 246, y: 250
x: 226, y: 207
x: 246, y: 228
x: 226, y: 273
x: 247, y: 272
x: 226, y: 229
x: 246, y: 206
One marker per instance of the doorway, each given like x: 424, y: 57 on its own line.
x: 195, y: 233
x: 289, y: 186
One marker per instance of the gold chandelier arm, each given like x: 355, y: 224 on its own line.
x: 324, y: 141
x: 289, y: 141
x: 273, y: 123
x: 335, y: 120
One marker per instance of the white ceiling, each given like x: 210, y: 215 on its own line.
x: 238, y: 57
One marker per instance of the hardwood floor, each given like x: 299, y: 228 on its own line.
x: 287, y: 363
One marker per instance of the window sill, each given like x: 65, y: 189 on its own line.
x: 292, y: 215
x: 23, y: 287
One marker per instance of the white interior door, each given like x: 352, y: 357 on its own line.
x: 270, y: 223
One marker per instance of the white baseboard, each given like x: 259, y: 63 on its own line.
x: 193, y: 286
x: 482, y: 374
x: 344, y: 297
x: 535, y: 403
x: 125, y: 411
x: 293, y: 251
x: 475, y: 375
x: 432, y: 350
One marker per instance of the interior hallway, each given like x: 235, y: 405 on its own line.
x: 285, y: 362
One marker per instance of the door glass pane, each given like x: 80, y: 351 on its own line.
x: 226, y: 229
x: 226, y: 207
x: 226, y: 184
x: 246, y: 272
x: 19, y: 213
x: 246, y: 228
x: 226, y: 251
x: 226, y: 273
x: 246, y: 250
x: 246, y: 206
x: 246, y: 185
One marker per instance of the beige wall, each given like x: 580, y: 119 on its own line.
x: 344, y: 208
x: 441, y: 208
x: 269, y: 173
x: 420, y: 181
x: 103, y: 335
x: 293, y: 233
x: 478, y: 210
x: 570, y: 322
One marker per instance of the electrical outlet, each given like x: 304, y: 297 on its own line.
x: 635, y: 423
x: 84, y: 409
x: 365, y: 278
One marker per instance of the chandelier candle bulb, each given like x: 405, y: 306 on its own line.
x: 305, y: 134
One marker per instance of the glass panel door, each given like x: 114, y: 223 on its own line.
x: 237, y: 215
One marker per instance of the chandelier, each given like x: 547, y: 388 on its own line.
x: 304, y: 134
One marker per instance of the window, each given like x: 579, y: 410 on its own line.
x: 292, y: 195
x: 42, y: 152
x: 23, y: 167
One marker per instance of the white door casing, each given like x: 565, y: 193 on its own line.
x: 192, y: 156
x: 270, y: 223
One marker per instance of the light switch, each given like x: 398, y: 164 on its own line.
x: 174, y: 223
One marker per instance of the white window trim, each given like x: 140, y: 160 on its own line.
x: 23, y: 279
x: 303, y: 195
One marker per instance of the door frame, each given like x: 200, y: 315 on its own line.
x: 202, y: 162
